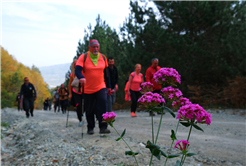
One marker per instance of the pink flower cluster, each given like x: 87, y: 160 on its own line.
x: 168, y: 75
x: 146, y: 87
x: 171, y: 93
x: 181, y: 102
x: 109, y: 117
x: 182, y: 145
x: 150, y: 100
x: 194, y: 113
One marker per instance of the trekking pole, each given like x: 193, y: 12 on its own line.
x: 83, y: 107
x: 67, y: 117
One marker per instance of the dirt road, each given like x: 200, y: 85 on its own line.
x: 221, y: 143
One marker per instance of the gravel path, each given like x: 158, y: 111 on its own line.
x: 45, y: 140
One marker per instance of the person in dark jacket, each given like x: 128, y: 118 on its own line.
x: 56, y: 101
x: 113, y: 81
x: 46, y: 104
x: 18, y: 99
x: 49, y: 104
x: 63, y: 98
x: 29, y: 93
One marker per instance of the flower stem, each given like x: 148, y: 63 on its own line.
x: 156, y: 134
x: 152, y: 128
x: 184, y: 157
x: 159, y: 127
x: 189, y: 133
x: 172, y: 144
x: 152, y: 138
x: 127, y: 145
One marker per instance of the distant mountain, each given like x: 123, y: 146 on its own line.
x: 54, y: 75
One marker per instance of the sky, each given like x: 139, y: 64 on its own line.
x: 47, y: 33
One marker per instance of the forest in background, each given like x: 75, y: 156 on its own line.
x: 205, y: 41
x: 12, y: 77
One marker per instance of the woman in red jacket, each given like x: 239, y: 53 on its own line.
x: 135, y: 79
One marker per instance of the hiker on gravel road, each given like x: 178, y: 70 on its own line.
x: 45, y: 103
x: 135, y: 79
x: 18, y: 99
x: 149, y: 77
x: 96, y: 82
x: 113, y: 72
x: 74, y: 96
x: 56, y: 100
x: 63, y: 98
x: 29, y: 95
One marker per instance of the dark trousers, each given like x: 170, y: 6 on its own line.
x: 18, y: 105
x: 78, y: 103
x: 29, y: 105
x: 45, y: 107
x: 134, y: 97
x: 96, y: 103
x: 63, y: 104
x: 56, y: 104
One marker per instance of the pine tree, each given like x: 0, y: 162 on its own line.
x: 204, y: 41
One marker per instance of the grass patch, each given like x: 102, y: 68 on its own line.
x: 4, y: 124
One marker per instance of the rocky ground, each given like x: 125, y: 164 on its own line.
x: 45, y: 140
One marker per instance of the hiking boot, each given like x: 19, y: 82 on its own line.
x: 151, y: 113
x: 104, y: 131
x: 90, y: 131
x: 133, y: 114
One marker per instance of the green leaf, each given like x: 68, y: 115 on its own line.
x: 131, y: 153
x: 173, y: 136
x: 123, y: 133
x: 151, y: 146
x: 154, y: 149
x: 197, y: 127
x: 164, y: 154
x: 148, y: 110
x: 118, y: 139
x: 172, y: 156
x: 190, y: 154
x: 170, y: 111
x: 178, y: 163
x: 157, y: 153
x: 121, y: 164
x: 157, y: 109
x: 185, y: 124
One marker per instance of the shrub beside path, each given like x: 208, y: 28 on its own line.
x: 45, y: 140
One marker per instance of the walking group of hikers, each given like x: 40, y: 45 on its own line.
x: 94, y: 79
x: 60, y: 99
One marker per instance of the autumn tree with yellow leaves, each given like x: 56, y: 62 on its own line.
x: 12, y: 77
